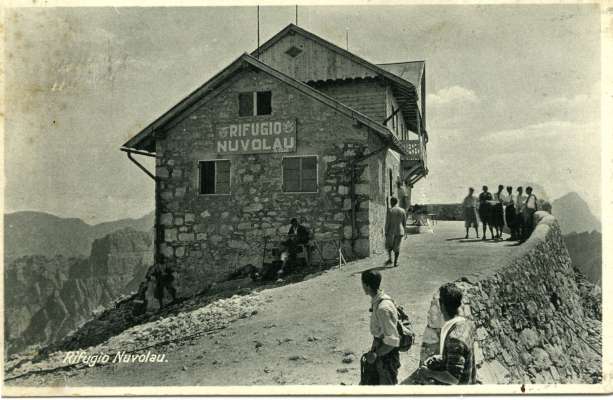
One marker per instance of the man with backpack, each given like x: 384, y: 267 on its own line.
x: 383, y: 359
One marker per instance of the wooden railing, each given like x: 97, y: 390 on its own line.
x: 414, y: 150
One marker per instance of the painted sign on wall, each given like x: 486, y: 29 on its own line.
x: 257, y: 137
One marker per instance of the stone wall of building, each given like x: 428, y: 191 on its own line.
x: 206, y: 237
x: 530, y: 318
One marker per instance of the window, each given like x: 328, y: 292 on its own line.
x: 214, y: 177
x: 300, y: 174
x: 254, y: 103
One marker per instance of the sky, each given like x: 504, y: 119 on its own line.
x: 513, y: 93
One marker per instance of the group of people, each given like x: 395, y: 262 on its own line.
x: 503, y: 208
x: 454, y: 363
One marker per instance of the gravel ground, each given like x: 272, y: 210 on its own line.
x: 310, y: 332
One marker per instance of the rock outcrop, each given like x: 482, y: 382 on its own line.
x: 47, y: 297
x: 536, y: 319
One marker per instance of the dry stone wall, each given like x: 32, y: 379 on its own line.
x: 531, y: 322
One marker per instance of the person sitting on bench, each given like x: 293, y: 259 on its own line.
x: 298, y: 235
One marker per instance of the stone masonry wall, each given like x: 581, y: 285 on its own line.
x: 530, y: 323
x: 206, y: 237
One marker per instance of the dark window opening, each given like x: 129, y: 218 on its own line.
x: 254, y: 103
x: 300, y: 174
x: 264, y: 103
x: 293, y: 51
x: 214, y: 177
x: 391, y: 183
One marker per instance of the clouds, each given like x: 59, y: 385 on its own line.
x: 452, y: 95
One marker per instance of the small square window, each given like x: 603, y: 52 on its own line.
x: 254, y: 103
x: 300, y: 174
x: 214, y: 177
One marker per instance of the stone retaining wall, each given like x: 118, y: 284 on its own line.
x: 531, y: 326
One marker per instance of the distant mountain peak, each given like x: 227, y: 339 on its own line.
x: 574, y: 214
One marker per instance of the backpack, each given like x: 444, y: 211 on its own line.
x: 405, y: 328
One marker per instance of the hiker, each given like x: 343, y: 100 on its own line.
x: 469, y: 205
x: 395, y: 223
x: 485, y: 211
x: 164, y: 278
x: 520, y: 203
x: 297, y: 235
x: 530, y: 207
x: 383, y: 359
x: 509, y: 212
x: 498, y: 212
x: 455, y: 363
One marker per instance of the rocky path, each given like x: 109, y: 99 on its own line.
x: 311, y: 332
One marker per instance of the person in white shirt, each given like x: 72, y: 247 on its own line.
x: 520, y: 201
x: 383, y: 353
x: 469, y: 206
x: 530, y: 207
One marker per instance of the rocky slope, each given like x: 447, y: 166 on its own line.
x: 28, y: 233
x: 47, y: 297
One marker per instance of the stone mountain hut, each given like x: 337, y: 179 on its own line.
x: 299, y: 128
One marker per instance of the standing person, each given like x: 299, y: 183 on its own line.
x: 485, y: 211
x: 455, y: 363
x: 402, y: 196
x: 520, y: 201
x: 529, y: 210
x: 383, y: 353
x: 164, y: 278
x: 469, y: 205
x: 509, y: 212
x: 498, y: 212
x: 394, y: 230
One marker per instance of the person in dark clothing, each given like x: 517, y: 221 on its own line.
x: 297, y: 235
x: 164, y: 279
x: 498, y: 212
x: 485, y: 211
x: 510, y: 214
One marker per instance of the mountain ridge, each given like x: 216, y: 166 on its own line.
x: 37, y: 232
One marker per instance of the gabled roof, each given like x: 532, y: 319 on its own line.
x: 404, y: 90
x: 410, y: 71
x: 145, y: 139
x: 295, y: 29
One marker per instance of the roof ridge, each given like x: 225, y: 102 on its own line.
x: 336, y: 48
x: 187, y: 102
